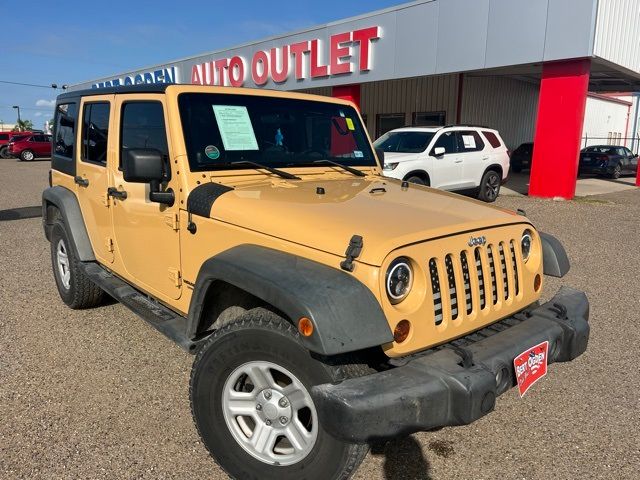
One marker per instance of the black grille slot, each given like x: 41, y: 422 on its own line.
x: 514, y: 262
x: 492, y: 269
x: 503, y: 268
x: 451, y: 279
x: 480, y: 274
x: 435, y: 288
x: 467, y: 281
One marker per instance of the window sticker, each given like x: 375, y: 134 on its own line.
x: 212, y: 152
x: 350, y: 124
x: 235, y: 127
x: 358, y: 154
x: 469, y: 141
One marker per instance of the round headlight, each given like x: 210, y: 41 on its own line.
x: 399, y: 279
x: 526, y: 243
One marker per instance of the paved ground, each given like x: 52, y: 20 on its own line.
x: 518, y: 185
x: 100, y: 395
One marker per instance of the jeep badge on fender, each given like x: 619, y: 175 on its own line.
x: 254, y: 229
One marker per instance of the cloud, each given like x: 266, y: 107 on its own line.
x: 37, y: 114
x: 45, y: 103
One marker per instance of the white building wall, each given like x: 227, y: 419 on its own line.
x: 605, y: 122
x: 503, y: 103
x: 617, y: 36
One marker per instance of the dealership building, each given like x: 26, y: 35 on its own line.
x: 529, y: 68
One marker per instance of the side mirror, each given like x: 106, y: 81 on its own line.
x: 146, y: 165
x: 380, y: 155
x: 143, y: 165
x: 438, y: 151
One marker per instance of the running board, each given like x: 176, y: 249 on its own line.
x: 161, y: 318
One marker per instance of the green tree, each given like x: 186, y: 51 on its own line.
x: 23, y: 125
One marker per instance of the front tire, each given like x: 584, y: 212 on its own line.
x: 250, y: 399
x: 418, y: 180
x: 4, y: 152
x: 75, y: 288
x: 27, y: 155
x: 489, y: 186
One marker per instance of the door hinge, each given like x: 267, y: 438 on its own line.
x: 109, y: 244
x: 174, y: 274
x: 105, y: 200
x: 171, y: 219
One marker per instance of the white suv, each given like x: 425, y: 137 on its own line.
x: 457, y: 157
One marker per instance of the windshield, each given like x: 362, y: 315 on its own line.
x: 220, y: 129
x: 601, y: 149
x: 404, y: 142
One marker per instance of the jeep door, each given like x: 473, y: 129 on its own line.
x: 447, y: 168
x: 92, y: 172
x: 475, y: 157
x: 146, y: 236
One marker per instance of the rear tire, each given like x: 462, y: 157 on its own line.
x: 489, y: 186
x: 617, y: 172
x: 75, y: 288
x: 27, y: 155
x: 259, y: 359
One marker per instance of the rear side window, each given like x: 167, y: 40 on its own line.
x: 491, y: 138
x: 65, y: 129
x: 95, y: 131
x: 469, y: 141
x: 447, y: 141
x: 4, y: 136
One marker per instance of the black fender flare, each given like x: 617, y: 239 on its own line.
x: 555, y: 261
x: 67, y: 203
x: 345, y: 313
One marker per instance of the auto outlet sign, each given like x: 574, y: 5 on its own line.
x: 297, y: 63
x: 340, y: 54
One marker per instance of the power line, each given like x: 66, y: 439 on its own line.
x: 53, y: 85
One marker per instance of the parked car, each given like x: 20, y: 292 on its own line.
x: 610, y: 160
x: 4, y: 141
x: 460, y: 157
x: 29, y: 146
x: 521, y: 157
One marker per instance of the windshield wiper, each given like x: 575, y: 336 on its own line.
x: 280, y: 173
x: 355, y: 171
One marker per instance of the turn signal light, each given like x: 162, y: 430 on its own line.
x: 402, y: 330
x: 537, y: 283
x: 305, y: 327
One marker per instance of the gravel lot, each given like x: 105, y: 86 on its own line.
x: 99, y: 394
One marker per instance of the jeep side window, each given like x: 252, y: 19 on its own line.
x: 65, y: 129
x: 142, y: 126
x: 95, y: 130
x: 447, y: 141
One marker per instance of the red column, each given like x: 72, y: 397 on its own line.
x: 347, y: 92
x: 563, y: 95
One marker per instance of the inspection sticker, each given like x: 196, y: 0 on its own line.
x: 531, y: 366
x: 350, y: 124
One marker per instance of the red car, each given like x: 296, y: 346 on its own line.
x: 27, y: 146
x: 4, y: 141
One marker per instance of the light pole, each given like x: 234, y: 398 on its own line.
x: 19, y: 120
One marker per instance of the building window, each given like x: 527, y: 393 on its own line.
x: 429, y: 119
x: 388, y: 121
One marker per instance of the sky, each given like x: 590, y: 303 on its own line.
x: 74, y: 41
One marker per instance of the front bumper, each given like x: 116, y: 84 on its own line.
x: 435, y: 389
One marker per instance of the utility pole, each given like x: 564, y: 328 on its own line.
x: 19, y: 121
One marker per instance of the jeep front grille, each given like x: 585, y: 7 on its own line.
x: 458, y: 289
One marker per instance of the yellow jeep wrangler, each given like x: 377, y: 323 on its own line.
x: 327, y: 306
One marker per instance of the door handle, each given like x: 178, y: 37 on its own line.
x: 485, y: 158
x: 457, y: 161
x: 115, y: 193
x: 83, y: 182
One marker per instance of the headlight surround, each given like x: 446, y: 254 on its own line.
x: 390, y: 166
x: 399, y: 279
x: 526, y: 244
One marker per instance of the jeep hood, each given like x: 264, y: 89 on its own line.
x: 386, y: 215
